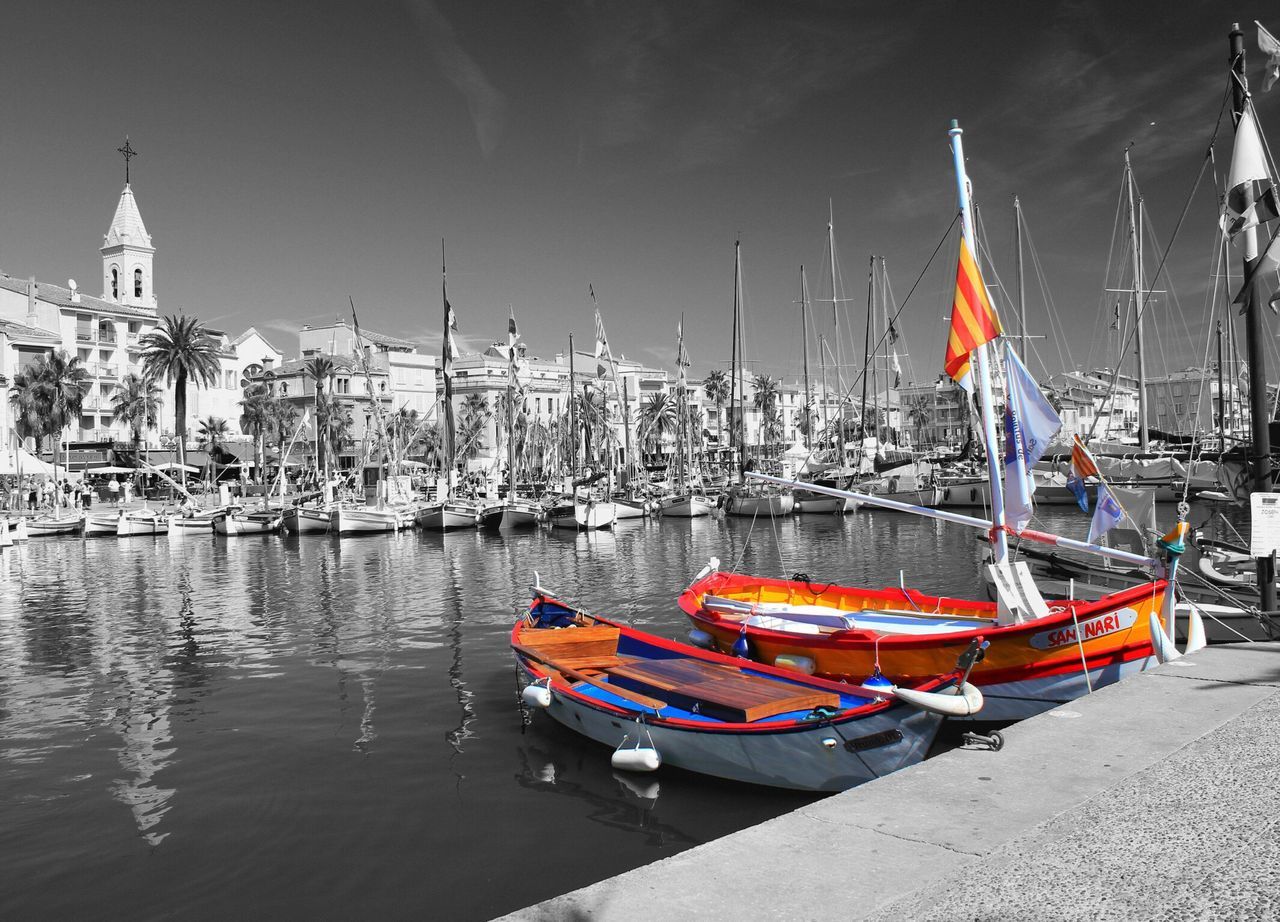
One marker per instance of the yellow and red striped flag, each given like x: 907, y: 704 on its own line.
x: 973, y: 319
x: 1082, y: 463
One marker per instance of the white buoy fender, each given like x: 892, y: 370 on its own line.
x: 536, y: 696
x: 642, y: 759
x: 1161, y: 644
x: 1195, y: 632
x: 712, y: 566
x: 700, y: 638
x: 795, y: 662
x: 20, y: 531
x: 967, y: 703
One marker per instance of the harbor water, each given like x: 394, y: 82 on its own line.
x: 289, y: 727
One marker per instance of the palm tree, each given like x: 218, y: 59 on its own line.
x: 717, y: 388
x: 284, y: 420
x: 212, y: 434
x: 181, y: 351
x: 48, y: 396
x: 136, y: 403
x: 319, y: 370
x: 657, y: 418
x: 766, y: 401
x: 256, y: 419
x: 473, y: 417
x: 338, y: 426
x: 918, y: 415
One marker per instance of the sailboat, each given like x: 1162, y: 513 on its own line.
x: 807, y: 502
x: 578, y: 509
x: 448, y: 512
x: 745, y: 499
x: 516, y: 511
x: 1041, y: 653
x: 684, y: 502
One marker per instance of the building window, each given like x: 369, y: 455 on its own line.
x: 137, y: 283
x: 115, y: 284
x: 284, y: 388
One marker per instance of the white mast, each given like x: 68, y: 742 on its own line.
x: 981, y: 367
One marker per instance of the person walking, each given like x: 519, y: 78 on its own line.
x: 113, y: 490
x: 127, y: 490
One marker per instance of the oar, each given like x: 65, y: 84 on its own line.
x: 577, y: 676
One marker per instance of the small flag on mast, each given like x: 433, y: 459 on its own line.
x: 1269, y: 46
x: 602, y: 347
x: 1251, y: 197
x: 1106, y: 516
x: 973, y: 319
x: 450, y: 344
x: 1082, y: 466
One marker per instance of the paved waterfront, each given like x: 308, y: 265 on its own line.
x: 1152, y: 799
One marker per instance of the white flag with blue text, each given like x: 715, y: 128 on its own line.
x: 1030, y: 423
x: 1106, y: 515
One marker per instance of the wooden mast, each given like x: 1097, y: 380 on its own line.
x: 446, y: 355
x: 1135, y: 236
x: 804, y: 339
x: 1259, y: 418
x: 734, y: 441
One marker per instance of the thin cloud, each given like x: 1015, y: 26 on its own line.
x: 485, y: 102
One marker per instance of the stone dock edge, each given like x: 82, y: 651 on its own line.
x: 1153, y: 798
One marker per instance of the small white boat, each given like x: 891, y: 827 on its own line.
x: 196, y: 525
x: 236, y: 524
x: 306, y: 520
x: 61, y: 524
x: 97, y: 524
x: 520, y: 513
x: 360, y: 520
x: 627, y: 508
x: 141, y: 522
x: 686, y: 506
x: 582, y: 514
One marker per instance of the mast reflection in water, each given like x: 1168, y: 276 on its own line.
x: 298, y: 715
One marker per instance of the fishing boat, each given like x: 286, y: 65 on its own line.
x: 350, y: 519
x: 629, y: 508
x: 258, y: 522
x: 1041, y: 653
x: 519, y: 512
x: 489, y: 517
x: 658, y: 702
x: 307, y: 520
x: 101, y: 523
x: 65, y: 523
x: 582, y: 512
x: 685, y: 506
x: 141, y: 522
x: 448, y: 515
x: 688, y: 497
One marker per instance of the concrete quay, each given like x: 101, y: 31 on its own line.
x: 1155, y: 798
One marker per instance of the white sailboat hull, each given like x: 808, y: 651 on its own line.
x: 348, y: 521
x: 142, y: 522
x: 65, y: 525
x: 584, y: 514
x: 685, y: 507
x: 249, y: 524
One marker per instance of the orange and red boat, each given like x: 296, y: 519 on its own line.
x: 848, y: 634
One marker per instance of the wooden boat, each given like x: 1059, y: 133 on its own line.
x: 449, y: 515
x: 58, y: 524
x: 360, y: 520
x: 259, y: 522
x: 839, y: 631
x: 520, y: 513
x: 141, y: 522
x: 582, y: 513
x: 629, y: 508
x: 307, y: 520
x: 489, y: 517
x: 98, y: 524
x: 196, y: 524
x: 817, y: 504
x: 685, y: 506
x: 656, y: 701
x: 746, y: 501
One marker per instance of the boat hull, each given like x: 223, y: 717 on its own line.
x: 629, y: 509
x: 62, y: 526
x: 685, y: 507
x: 347, y: 521
x: 757, y: 504
x: 234, y: 526
x: 817, y: 504
x: 142, y: 522
x: 582, y: 514
x: 100, y: 524
x: 448, y: 516
x: 520, y: 513
x: 306, y: 520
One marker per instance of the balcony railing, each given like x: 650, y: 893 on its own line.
x: 86, y: 336
x: 106, y: 336
x: 107, y: 371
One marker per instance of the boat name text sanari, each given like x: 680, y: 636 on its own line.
x: 1094, y: 627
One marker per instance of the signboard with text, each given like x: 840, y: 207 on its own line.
x: 1264, y: 532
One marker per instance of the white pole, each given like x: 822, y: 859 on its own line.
x: 982, y: 368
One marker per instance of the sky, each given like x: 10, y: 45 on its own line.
x: 294, y: 155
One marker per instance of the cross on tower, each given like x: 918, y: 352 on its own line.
x: 128, y: 153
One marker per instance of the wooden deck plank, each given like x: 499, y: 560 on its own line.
x: 719, y: 690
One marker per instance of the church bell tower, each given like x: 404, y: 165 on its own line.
x: 127, y: 253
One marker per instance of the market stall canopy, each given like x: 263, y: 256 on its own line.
x: 113, y: 469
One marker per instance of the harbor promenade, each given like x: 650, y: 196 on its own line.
x: 1151, y: 799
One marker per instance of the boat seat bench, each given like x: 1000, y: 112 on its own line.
x: 716, y: 690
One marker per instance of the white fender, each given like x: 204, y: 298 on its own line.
x: 20, y: 530
x: 640, y: 759
x: 700, y: 638
x: 536, y: 695
x: 796, y: 663
x: 712, y: 566
x: 966, y: 703
x: 1161, y: 644
x: 1195, y: 631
